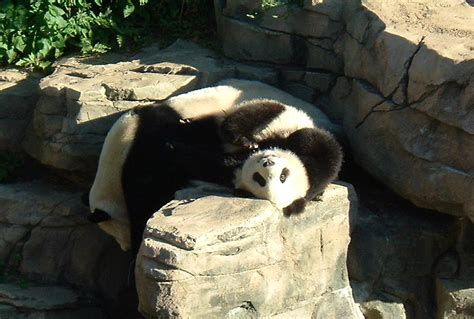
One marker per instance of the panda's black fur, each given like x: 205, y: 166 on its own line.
x: 167, y: 150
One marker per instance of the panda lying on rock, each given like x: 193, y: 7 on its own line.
x: 261, y: 148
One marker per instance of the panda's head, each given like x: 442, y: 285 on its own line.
x: 276, y: 175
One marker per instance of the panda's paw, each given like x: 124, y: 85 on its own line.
x: 297, y: 207
x: 319, y: 197
x: 245, y: 143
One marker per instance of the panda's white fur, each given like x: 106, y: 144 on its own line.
x: 106, y: 192
x: 282, y: 194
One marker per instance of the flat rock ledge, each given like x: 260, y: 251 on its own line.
x: 38, y: 302
x: 224, y: 257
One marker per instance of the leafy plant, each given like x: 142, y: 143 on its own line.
x: 33, y: 33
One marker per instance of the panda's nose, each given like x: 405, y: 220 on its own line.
x: 267, y: 162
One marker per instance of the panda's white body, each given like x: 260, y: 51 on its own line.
x: 107, y: 192
x: 272, y: 127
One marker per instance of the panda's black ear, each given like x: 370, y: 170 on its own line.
x: 296, y: 207
x: 98, y: 216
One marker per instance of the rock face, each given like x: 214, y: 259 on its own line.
x: 392, y: 261
x: 419, y: 119
x: 44, y: 302
x: 45, y: 238
x: 399, y: 76
x: 18, y: 95
x: 220, y: 256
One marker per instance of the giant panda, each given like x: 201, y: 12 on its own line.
x: 294, y: 160
x: 260, y: 147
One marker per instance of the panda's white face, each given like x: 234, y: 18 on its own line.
x: 274, y: 174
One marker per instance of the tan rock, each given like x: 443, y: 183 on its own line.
x: 455, y: 299
x: 205, y: 256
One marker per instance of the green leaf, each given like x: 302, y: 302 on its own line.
x: 18, y: 43
x: 11, y: 55
x: 128, y: 10
x: 44, y: 46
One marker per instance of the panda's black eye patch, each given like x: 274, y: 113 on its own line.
x: 259, y: 179
x: 284, y: 174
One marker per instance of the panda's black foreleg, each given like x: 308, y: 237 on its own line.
x: 296, y: 207
x: 239, y: 127
x: 85, y: 198
x: 98, y: 216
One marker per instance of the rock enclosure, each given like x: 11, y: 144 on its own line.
x: 397, y: 78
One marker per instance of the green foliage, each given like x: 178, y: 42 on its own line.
x: 8, y: 163
x: 185, y: 19
x: 33, y: 33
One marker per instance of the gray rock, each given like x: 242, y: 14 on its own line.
x: 203, y: 256
x: 455, y: 299
x: 296, y: 20
x: 40, y: 298
x: 321, y: 57
x: 378, y: 309
x: 248, y: 42
x: 44, y: 302
x: 45, y: 237
x: 18, y: 95
x: 394, y: 251
x: 406, y: 142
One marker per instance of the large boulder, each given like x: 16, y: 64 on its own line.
x: 218, y: 256
x: 408, y: 111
